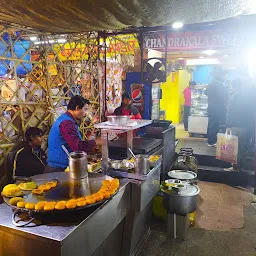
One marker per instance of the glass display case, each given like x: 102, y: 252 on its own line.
x: 198, y: 119
x: 199, y: 101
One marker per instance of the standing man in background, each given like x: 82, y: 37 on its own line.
x: 217, y: 106
x: 240, y: 119
x: 187, y: 103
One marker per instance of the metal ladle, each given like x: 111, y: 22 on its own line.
x: 132, y: 153
x: 66, y: 151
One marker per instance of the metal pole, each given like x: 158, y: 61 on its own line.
x: 104, y: 141
x: 48, y: 89
x: 141, y: 43
x: 166, y: 45
x: 129, y: 142
x: 104, y: 88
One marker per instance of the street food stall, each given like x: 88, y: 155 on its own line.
x: 101, y: 214
x: 79, y: 231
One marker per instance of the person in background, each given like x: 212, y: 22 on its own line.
x: 240, y: 121
x: 217, y: 105
x: 187, y: 103
x: 127, y: 109
x: 65, y: 131
x: 31, y: 159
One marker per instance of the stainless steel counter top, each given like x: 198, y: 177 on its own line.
x: 115, y: 228
x: 59, y: 227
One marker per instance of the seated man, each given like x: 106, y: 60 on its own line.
x: 31, y: 159
x: 127, y: 109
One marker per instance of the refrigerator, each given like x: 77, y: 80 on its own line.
x: 146, y: 97
x: 198, y: 119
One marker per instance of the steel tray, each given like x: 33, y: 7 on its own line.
x: 66, y: 189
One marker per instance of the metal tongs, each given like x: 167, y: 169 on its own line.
x: 21, y: 178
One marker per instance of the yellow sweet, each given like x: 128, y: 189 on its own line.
x: 90, y: 200
x: 153, y: 158
x: 72, y: 201
x: 15, y: 200
x: 42, y: 202
x: 95, y: 195
x: 30, y: 206
x: 105, y: 182
x: 52, y: 184
x: 81, y: 203
x: 28, y: 185
x: 71, y: 204
x: 106, y: 188
x: 37, y: 191
x: 49, y: 207
x: 11, y: 190
x: 114, y: 186
x: 21, y: 204
x: 80, y: 199
x: 52, y: 203
x: 47, y: 187
x: 102, y: 190
x: 99, y: 197
x: 61, y: 202
x: 9, y: 186
x: 106, y: 195
x: 88, y: 197
x: 42, y: 187
x: 115, y: 182
x: 131, y: 160
x: 40, y: 206
x: 112, y: 192
x: 60, y: 206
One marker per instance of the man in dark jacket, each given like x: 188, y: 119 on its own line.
x: 127, y: 109
x: 31, y: 159
x: 217, y: 104
x: 240, y: 118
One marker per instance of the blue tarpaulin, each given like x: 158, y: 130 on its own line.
x: 20, y: 49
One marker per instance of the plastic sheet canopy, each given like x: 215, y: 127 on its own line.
x: 94, y: 15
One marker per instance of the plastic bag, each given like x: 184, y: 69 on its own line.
x: 227, y: 148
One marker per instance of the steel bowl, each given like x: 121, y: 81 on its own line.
x: 115, y: 164
x: 119, y: 120
x: 180, y: 204
x: 124, y: 164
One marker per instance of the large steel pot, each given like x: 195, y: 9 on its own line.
x: 182, y: 202
x: 78, y: 168
x: 119, y: 120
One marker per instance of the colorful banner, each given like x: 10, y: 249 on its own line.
x: 52, y: 69
x: 199, y: 40
x: 123, y: 44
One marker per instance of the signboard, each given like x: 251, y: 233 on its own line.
x: 199, y: 40
x: 137, y: 93
x: 123, y: 44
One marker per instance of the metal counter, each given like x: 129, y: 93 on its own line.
x: 138, y: 221
x: 118, y: 227
x: 77, y: 234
